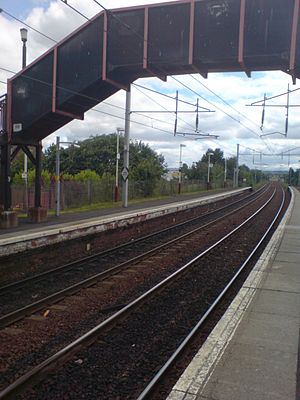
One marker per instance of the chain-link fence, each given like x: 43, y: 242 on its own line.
x: 78, y: 194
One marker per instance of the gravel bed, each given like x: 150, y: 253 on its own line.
x: 170, y: 379
x: 136, y: 348
x: 82, y: 311
x: 34, y: 291
x: 25, y: 264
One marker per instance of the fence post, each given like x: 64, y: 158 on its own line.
x: 89, y: 191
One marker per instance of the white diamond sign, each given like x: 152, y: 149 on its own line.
x: 125, y: 173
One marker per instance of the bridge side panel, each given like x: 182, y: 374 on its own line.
x: 268, y: 26
x: 216, y: 37
x: 79, y: 65
x: 297, y: 58
x: 32, y: 93
x: 168, y: 33
x: 125, y: 41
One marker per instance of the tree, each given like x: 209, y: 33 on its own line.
x: 87, y: 175
x: 147, y: 167
x: 217, y: 157
x: 98, y: 154
x: 231, y: 164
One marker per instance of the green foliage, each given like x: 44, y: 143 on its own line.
x: 146, y: 167
x: 46, y: 178
x: 147, y: 173
x: 98, y: 156
x: 17, y: 178
x: 293, y: 177
x: 217, y: 174
x: 67, y: 177
x: 217, y: 157
x: 86, y: 175
x: 17, y: 165
x: 108, y: 178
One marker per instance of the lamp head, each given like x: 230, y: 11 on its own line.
x: 24, y: 32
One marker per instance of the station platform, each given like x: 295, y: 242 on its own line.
x: 70, y: 226
x: 253, y: 352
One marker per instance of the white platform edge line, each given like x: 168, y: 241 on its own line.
x: 94, y: 222
x: 194, y: 379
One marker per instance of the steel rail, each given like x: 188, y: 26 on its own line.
x: 91, y: 336
x: 68, y: 266
x: 20, y: 313
x: 174, y: 357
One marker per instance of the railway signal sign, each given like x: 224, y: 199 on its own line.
x: 125, y: 173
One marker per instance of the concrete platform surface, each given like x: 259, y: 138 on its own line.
x: 74, y: 225
x: 252, y: 353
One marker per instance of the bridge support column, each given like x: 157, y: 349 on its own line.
x: 8, y: 218
x: 37, y: 213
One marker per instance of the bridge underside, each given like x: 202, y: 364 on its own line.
x: 115, y: 48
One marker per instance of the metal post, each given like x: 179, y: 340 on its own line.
x: 225, y: 172
x: 38, y: 176
x: 116, y: 194
x: 126, y: 149
x: 5, y: 176
x: 236, y: 175
x: 208, y: 170
x: 24, y: 54
x: 57, y: 177
x: 180, y: 168
x: 117, y: 170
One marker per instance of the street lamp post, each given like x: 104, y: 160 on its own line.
x: 24, y: 32
x: 116, y: 194
x: 208, y: 170
x: 180, y: 167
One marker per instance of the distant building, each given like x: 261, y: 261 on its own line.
x: 173, y: 173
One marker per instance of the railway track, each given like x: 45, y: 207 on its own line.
x: 25, y: 297
x: 189, y: 288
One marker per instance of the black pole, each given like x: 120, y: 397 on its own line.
x: 5, y: 177
x: 38, y: 176
x: 24, y: 55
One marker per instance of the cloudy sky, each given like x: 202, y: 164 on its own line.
x: 225, y: 94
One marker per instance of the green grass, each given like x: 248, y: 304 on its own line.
x: 111, y: 205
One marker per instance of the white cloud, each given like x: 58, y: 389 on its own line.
x: 56, y: 20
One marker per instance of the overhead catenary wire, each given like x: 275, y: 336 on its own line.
x: 272, y: 97
x: 92, y: 98
x: 95, y: 99
x: 223, y: 111
x: 28, y: 26
x: 74, y: 9
x: 180, y: 82
x: 129, y: 27
x: 137, y: 88
x: 167, y: 96
x: 224, y: 101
